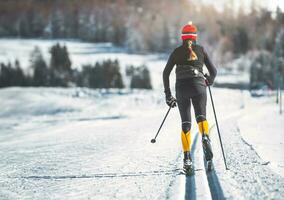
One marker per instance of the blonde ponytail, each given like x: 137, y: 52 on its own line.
x: 192, y: 54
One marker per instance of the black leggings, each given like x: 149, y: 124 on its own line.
x: 184, y: 104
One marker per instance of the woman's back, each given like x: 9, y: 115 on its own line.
x: 189, y: 70
x: 189, y: 59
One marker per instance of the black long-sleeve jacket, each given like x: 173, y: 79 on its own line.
x: 186, y: 69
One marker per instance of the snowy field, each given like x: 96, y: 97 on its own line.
x: 86, y: 144
x: 79, y: 143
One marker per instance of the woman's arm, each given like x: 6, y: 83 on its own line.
x: 211, y: 68
x: 166, y: 74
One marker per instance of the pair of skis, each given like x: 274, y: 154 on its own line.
x: 208, y: 156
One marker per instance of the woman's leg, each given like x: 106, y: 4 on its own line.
x: 199, y: 103
x: 184, y: 105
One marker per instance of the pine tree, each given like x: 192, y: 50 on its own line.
x: 5, y: 75
x: 41, y: 71
x: 117, y: 81
x: 140, y: 78
x: 18, y: 75
x: 60, y: 66
x: 12, y: 75
x: 278, y: 59
x: 261, y: 70
x: 102, y: 75
x: 146, y: 78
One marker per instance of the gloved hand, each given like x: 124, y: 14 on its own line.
x: 170, y: 100
x: 208, y: 80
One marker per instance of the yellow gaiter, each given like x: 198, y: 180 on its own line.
x: 203, y: 127
x: 185, y: 139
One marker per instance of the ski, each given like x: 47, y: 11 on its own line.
x: 207, y: 149
x: 187, y: 164
x: 209, y: 165
x: 207, y: 152
x: 188, y: 170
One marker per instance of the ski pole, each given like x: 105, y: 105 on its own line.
x: 220, y: 139
x: 154, y: 139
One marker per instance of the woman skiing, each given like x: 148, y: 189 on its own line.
x: 189, y: 59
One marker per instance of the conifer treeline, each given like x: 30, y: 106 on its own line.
x: 142, y: 25
x: 149, y: 25
x: 268, y: 66
x: 58, y: 73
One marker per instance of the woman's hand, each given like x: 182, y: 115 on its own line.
x: 171, y: 101
x: 208, y: 80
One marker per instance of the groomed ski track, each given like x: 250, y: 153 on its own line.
x: 203, y: 184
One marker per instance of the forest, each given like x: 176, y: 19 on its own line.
x: 154, y: 26
x: 57, y: 72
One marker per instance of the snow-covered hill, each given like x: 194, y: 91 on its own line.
x: 88, y: 144
x: 81, y: 53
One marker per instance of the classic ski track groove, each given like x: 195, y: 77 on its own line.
x: 190, y: 192
x: 212, y: 180
x: 214, y: 185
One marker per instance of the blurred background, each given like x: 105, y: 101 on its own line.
x: 244, y: 38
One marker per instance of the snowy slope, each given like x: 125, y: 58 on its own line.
x: 81, y: 144
x: 264, y: 130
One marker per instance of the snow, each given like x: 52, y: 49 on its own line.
x: 233, y: 78
x: 264, y: 130
x: 79, y: 143
x: 57, y: 143
x: 109, y: 158
x: 21, y: 49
